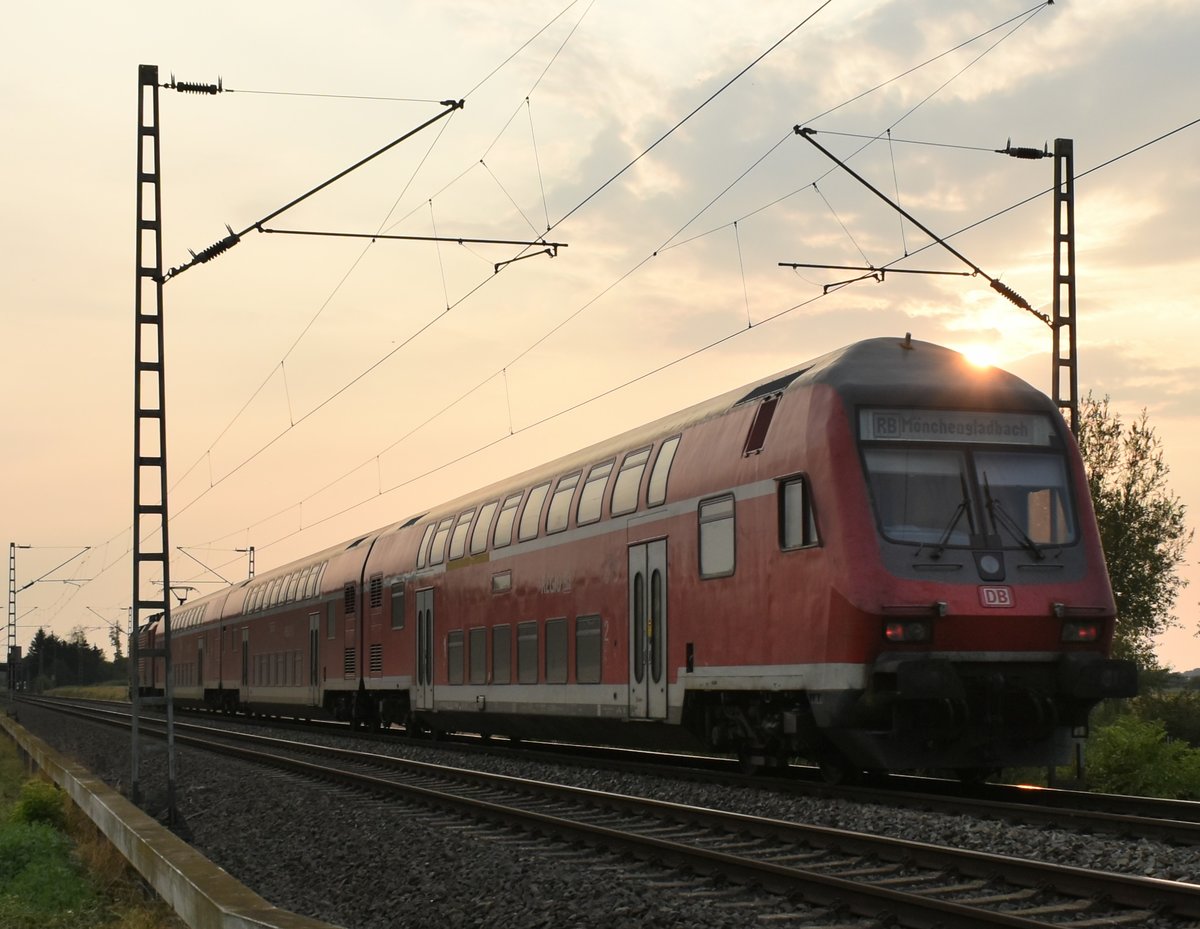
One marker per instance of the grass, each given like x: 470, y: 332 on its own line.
x: 116, y: 692
x: 68, y: 877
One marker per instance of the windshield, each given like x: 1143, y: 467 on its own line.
x: 919, y: 494
x: 945, y: 497
x: 1030, y: 489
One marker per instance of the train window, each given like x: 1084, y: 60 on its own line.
x: 757, y: 435
x: 501, y: 654
x: 397, y: 606
x: 454, y: 657
x: 504, y: 522
x: 437, y: 551
x: 480, y: 536
x: 331, y: 622
x: 273, y: 597
x: 1026, y: 493
x: 292, y: 583
x: 797, y: 528
x: 527, y: 653
x: 478, y: 656
x: 716, y: 537
x: 458, y: 540
x: 556, y: 651
x: 423, y: 549
x: 302, y: 587
x: 656, y: 493
x: 531, y: 516
x: 629, y: 482
x: 592, y: 495
x: 588, y: 649
x: 501, y: 582
x: 560, y: 503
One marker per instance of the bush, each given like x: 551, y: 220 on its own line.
x: 1179, y: 711
x: 1134, y: 756
x: 40, y: 802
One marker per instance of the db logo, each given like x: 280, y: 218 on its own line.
x: 996, y: 596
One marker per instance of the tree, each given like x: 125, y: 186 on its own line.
x: 1141, y: 523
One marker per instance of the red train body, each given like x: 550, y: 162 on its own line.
x: 882, y: 559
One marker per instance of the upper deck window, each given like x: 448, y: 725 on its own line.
x: 482, y: 525
x: 437, y: 552
x: 656, y: 493
x: 592, y: 495
x: 504, y: 522
x: 458, y: 541
x: 629, y: 482
x: 560, y: 503
x: 531, y: 516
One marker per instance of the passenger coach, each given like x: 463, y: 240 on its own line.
x: 885, y: 558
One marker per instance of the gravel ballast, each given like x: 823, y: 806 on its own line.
x: 364, y: 863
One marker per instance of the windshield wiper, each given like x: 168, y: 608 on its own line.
x: 964, y: 506
x: 1001, y: 517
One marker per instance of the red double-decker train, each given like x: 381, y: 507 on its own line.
x: 882, y: 559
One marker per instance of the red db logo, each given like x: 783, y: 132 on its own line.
x: 996, y: 597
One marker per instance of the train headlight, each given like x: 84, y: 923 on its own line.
x: 1080, y: 632
x: 907, y: 630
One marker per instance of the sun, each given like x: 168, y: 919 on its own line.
x: 981, y: 356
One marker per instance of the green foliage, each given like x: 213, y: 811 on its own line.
x: 40, y: 885
x: 1177, y: 710
x: 1134, y: 756
x: 40, y: 802
x: 1141, y: 523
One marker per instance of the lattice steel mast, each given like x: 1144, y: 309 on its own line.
x: 150, y: 430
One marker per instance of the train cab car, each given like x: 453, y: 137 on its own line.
x: 881, y: 559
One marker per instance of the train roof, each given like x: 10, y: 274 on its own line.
x: 905, y: 371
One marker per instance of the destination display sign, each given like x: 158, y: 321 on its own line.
x: 988, y: 427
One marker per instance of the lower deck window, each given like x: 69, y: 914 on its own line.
x: 556, y: 651
x: 588, y: 649
x: 527, y: 653
x: 454, y: 657
x: 502, y: 654
x: 478, y: 656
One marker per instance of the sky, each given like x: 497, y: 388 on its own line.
x: 322, y: 386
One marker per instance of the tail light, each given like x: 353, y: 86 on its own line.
x: 1080, y: 632
x: 912, y: 630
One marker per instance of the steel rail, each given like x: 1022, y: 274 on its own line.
x: 1149, y: 894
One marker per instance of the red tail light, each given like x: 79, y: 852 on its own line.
x: 907, y: 631
x: 1080, y: 632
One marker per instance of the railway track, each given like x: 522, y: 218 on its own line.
x: 1173, y: 821
x: 871, y: 877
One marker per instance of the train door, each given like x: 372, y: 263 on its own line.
x: 425, y: 649
x: 314, y: 659
x: 648, y: 630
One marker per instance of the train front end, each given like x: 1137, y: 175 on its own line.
x: 992, y: 604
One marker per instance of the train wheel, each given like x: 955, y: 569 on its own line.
x: 973, y: 777
x: 839, y: 771
x: 750, y: 761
